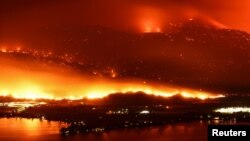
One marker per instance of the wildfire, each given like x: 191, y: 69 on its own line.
x: 150, y: 19
x: 4, y: 50
x: 151, y: 27
x: 80, y: 88
x: 22, y: 79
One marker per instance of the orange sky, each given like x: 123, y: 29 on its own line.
x: 19, y: 16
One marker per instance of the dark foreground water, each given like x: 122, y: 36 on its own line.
x: 17, y: 129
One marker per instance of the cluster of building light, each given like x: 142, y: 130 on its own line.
x: 231, y: 110
x: 98, y: 130
x: 145, y: 112
x: 22, y: 105
x: 122, y: 111
x: 79, y: 123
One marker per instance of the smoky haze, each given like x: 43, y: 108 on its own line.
x: 20, y: 16
x: 199, y: 44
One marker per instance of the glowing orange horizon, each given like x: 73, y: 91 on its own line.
x: 57, y: 82
x: 94, y: 89
x: 96, y: 94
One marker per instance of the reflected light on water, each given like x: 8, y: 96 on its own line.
x: 42, y: 130
x: 28, y: 127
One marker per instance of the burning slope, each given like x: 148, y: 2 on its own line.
x: 35, y: 79
x: 96, y: 61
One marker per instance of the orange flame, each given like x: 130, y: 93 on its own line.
x: 23, y: 79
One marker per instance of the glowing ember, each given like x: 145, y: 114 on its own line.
x: 150, y: 27
x: 4, y: 50
x: 51, y: 83
x: 58, y: 82
x: 231, y: 110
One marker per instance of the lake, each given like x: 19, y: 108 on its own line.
x: 21, y: 129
